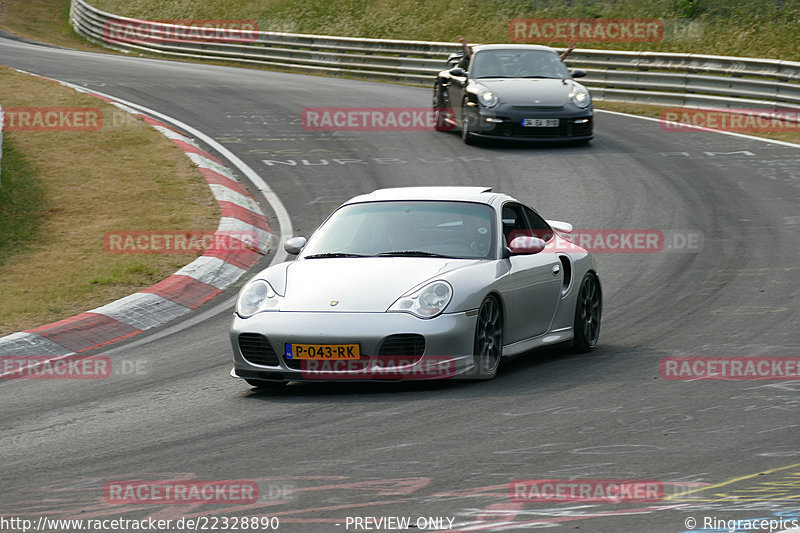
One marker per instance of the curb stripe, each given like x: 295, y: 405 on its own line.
x: 232, y: 210
x: 194, y: 149
x: 30, y: 344
x: 142, y: 311
x: 224, y: 194
x: 211, y: 270
x: 243, y: 259
x: 85, y: 331
x: 184, y: 291
x: 233, y: 226
x: 215, y: 178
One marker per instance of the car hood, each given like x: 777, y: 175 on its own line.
x: 369, y: 284
x: 531, y: 92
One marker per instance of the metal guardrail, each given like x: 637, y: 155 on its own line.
x: 667, y: 79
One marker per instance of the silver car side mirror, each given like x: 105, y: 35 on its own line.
x: 294, y: 245
x: 526, y: 245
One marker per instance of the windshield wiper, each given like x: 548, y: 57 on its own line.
x: 543, y: 77
x: 412, y: 253
x: 333, y: 254
x: 487, y: 77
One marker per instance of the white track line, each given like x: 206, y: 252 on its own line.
x: 701, y: 128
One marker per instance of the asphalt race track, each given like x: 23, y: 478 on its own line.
x: 324, y: 454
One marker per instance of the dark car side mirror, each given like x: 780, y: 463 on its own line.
x: 578, y: 73
x: 458, y: 71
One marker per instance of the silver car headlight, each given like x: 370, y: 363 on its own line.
x: 580, y: 97
x: 426, y: 302
x: 255, y: 297
x: 488, y: 98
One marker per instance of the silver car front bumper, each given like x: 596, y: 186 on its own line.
x: 449, y: 345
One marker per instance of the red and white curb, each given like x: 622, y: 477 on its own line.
x: 185, y: 290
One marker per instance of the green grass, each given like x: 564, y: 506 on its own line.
x: 21, y: 202
x: 752, y: 28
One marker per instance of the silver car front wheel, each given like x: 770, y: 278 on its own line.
x: 488, y: 339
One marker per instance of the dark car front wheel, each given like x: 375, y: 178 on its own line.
x: 466, y: 126
x: 440, y: 114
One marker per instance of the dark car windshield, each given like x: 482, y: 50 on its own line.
x: 518, y: 64
x: 461, y: 230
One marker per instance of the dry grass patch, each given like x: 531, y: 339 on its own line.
x: 125, y: 176
x: 42, y: 20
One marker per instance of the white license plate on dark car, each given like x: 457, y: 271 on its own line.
x: 539, y: 122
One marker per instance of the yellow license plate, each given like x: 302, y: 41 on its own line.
x: 323, y: 351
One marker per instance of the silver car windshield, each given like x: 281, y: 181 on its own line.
x: 518, y: 64
x: 450, y: 229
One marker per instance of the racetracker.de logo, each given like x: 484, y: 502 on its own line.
x: 429, y: 367
x: 372, y: 119
x: 730, y: 368
x: 620, y: 241
x: 53, y: 119
x: 48, y: 367
x: 586, y: 490
x: 739, y: 120
x: 178, y: 242
x: 586, y: 30
x: 181, y: 492
x: 181, y: 30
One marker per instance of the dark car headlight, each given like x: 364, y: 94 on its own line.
x: 488, y: 98
x: 580, y: 97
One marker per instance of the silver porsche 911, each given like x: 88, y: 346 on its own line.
x: 416, y: 283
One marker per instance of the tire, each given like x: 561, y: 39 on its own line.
x: 588, y: 311
x: 266, y: 386
x: 466, y: 135
x: 438, y: 114
x: 488, y: 348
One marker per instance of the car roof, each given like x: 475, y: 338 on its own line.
x: 482, y: 195
x: 480, y: 47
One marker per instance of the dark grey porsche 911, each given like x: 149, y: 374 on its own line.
x: 513, y: 91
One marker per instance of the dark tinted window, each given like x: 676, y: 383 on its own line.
x: 515, y: 63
